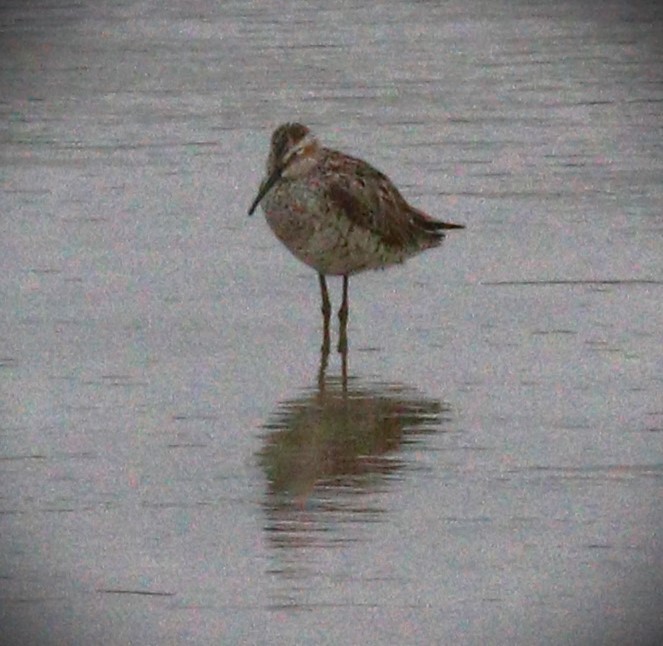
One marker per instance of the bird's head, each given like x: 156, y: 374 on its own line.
x: 293, y: 153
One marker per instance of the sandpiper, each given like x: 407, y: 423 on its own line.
x: 338, y: 214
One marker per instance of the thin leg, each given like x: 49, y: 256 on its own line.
x: 343, y: 312
x: 326, y: 303
x: 324, y: 359
x: 343, y: 319
x: 326, y: 314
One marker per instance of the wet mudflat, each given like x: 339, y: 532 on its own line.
x: 178, y: 461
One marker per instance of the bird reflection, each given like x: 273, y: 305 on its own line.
x: 326, y: 451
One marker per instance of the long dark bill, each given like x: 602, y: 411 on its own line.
x: 271, y: 180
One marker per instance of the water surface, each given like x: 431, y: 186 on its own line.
x: 179, y: 465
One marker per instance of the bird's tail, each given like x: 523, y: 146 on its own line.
x: 431, y: 226
x: 438, y: 224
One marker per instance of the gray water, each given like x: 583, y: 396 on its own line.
x: 178, y: 465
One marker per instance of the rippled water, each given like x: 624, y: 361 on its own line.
x: 179, y: 464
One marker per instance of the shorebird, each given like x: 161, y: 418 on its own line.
x: 338, y: 214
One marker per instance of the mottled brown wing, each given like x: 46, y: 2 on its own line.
x: 369, y: 199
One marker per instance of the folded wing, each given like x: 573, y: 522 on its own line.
x: 369, y: 199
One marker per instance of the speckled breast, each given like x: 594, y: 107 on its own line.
x: 320, y: 236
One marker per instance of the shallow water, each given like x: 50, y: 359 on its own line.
x: 178, y: 464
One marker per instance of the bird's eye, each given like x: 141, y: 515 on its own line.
x: 293, y: 153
